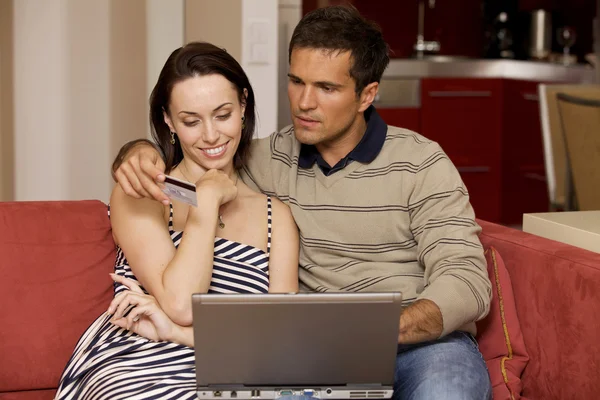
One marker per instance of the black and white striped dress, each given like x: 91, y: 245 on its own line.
x: 113, y: 363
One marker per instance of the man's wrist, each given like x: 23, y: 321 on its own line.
x: 128, y: 147
x: 421, y: 321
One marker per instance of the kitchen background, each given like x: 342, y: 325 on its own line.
x: 75, y: 78
x: 470, y: 27
x: 465, y: 73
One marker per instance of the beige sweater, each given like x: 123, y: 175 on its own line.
x: 400, y: 223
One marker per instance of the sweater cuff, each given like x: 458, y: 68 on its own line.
x: 455, y: 301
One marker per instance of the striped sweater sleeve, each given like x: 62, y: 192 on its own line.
x: 443, y: 224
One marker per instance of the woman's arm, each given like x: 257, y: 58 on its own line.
x: 170, y: 275
x: 285, y: 247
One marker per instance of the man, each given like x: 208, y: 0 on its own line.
x: 378, y: 208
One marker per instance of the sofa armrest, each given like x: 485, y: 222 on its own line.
x: 557, y: 294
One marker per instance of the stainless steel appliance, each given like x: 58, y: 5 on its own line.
x: 540, y: 35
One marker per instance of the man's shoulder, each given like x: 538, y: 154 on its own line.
x: 282, y: 140
x: 409, y: 145
x: 285, y: 138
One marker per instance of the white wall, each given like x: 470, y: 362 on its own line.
x: 85, y: 105
x: 260, y: 58
x: 40, y: 101
x: 165, y: 33
x: 290, y: 13
x: 80, y: 92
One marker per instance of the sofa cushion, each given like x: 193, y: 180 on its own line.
x: 54, y: 265
x: 500, y: 337
x: 47, y: 394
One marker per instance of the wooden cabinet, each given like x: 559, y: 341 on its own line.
x: 490, y: 129
x: 524, y: 186
x: 465, y: 117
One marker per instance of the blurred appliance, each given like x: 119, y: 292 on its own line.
x: 540, y: 40
x: 422, y: 46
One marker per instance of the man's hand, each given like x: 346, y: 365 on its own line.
x: 138, y: 168
x: 420, y: 322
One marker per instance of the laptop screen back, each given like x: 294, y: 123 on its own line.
x: 296, y: 339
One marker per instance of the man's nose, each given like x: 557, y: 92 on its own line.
x: 307, y: 99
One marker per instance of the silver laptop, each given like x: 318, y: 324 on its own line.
x: 267, y: 346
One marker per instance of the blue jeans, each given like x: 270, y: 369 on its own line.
x: 446, y: 369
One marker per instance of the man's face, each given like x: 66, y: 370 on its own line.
x: 323, y: 101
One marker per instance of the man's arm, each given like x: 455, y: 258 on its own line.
x: 457, y: 289
x: 138, y: 168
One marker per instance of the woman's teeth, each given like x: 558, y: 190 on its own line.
x: 214, y: 151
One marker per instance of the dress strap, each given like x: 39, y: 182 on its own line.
x: 269, y: 216
x: 171, y: 217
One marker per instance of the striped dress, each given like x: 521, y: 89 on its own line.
x: 113, y: 363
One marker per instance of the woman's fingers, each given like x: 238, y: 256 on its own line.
x: 130, y: 283
x: 137, y: 313
x: 125, y: 301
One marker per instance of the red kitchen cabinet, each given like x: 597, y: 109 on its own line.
x: 456, y: 24
x: 465, y: 117
x: 408, y: 118
x: 524, y: 186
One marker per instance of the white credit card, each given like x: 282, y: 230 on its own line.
x: 180, y: 190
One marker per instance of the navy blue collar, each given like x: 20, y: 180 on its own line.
x: 365, y: 151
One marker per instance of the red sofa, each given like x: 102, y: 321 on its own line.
x: 55, y: 258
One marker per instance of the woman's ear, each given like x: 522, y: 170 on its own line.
x: 168, y: 121
x: 244, y: 101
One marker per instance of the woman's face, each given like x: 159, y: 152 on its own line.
x: 206, y: 114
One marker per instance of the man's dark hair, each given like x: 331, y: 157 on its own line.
x: 341, y: 28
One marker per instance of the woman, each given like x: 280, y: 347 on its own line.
x: 235, y: 241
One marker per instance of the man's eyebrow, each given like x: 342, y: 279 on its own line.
x: 327, y: 83
x: 319, y: 83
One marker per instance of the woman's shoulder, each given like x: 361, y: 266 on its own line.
x: 121, y: 201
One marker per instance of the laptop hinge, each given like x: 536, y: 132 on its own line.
x: 226, y: 386
x: 365, y: 385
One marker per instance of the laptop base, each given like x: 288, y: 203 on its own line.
x: 345, y: 392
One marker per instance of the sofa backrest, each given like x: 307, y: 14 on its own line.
x: 55, y: 258
x: 557, y: 294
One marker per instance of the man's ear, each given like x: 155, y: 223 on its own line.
x: 168, y: 121
x: 367, y: 97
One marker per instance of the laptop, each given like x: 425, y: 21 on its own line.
x: 320, y: 345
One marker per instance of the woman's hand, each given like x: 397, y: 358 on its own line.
x: 217, y: 185
x: 146, y: 318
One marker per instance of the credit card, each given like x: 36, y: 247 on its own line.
x: 180, y: 190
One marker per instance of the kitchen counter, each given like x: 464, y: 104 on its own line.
x: 479, y: 68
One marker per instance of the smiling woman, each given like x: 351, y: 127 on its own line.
x: 235, y: 241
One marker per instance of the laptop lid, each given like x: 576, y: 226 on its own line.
x: 310, y: 339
